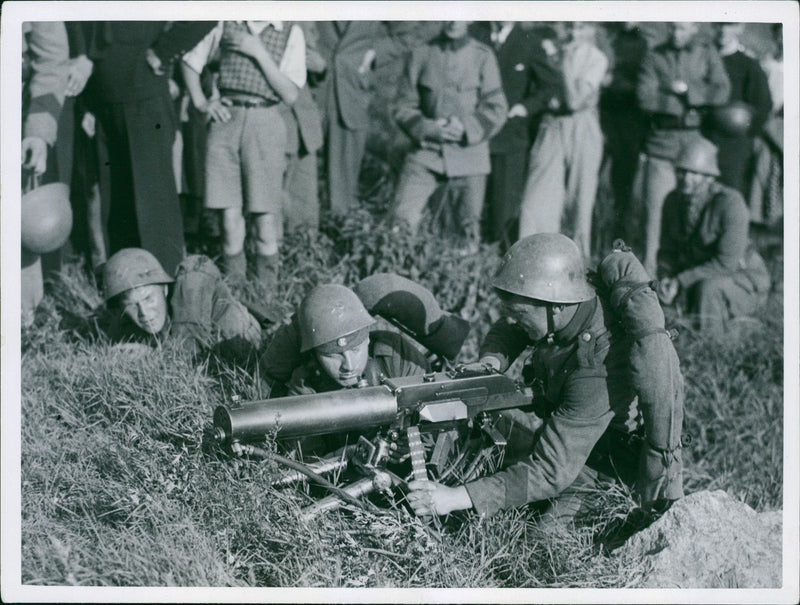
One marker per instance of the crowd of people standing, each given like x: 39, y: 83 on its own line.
x: 167, y: 128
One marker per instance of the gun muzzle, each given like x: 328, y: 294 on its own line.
x: 306, y: 415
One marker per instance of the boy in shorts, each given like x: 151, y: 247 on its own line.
x: 261, y: 65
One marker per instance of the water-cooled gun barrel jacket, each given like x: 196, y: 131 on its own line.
x: 448, y: 78
x: 582, y: 388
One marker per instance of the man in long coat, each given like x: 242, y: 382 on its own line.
x: 348, y: 48
x: 130, y: 93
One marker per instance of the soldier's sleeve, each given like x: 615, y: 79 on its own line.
x: 409, y: 114
x: 731, y: 245
x: 283, y: 355
x: 491, y: 111
x: 182, y: 36
x: 648, y: 85
x: 505, y: 342
x: 566, y: 441
x: 714, y: 87
x: 49, y: 49
x: 546, y: 82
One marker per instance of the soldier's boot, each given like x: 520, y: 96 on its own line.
x: 234, y: 267
x: 265, y: 272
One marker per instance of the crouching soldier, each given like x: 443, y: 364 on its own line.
x: 705, y: 254
x: 196, y: 308
x: 595, y: 427
x: 328, y: 344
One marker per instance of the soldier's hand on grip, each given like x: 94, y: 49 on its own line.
x: 431, y: 498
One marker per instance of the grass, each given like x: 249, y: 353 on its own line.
x: 122, y: 486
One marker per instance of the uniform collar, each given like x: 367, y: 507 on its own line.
x: 581, y: 319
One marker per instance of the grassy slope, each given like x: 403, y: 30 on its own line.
x: 121, y: 487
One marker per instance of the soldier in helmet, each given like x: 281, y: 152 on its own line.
x: 705, y: 254
x: 196, y: 307
x: 593, y: 424
x: 328, y: 344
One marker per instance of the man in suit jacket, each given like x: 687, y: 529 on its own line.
x: 530, y: 82
x: 348, y: 48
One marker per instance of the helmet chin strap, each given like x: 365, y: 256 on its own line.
x: 551, y: 324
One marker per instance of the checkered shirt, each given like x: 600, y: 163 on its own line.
x: 238, y: 73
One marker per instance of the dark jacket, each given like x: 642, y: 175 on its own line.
x: 343, y: 45
x: 121, y: 73
x: 581, y: 387
x: 717, y: 245
x: 529, y: 77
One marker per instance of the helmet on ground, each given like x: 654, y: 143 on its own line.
x: 733, y: 119
x: 46, y: 218
x: 698, y: 155
x: 131, y: 268
x: 547, y: 267
x: 332, y: 314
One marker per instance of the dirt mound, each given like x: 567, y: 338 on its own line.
x: 709, y: 540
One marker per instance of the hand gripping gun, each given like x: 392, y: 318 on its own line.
x: 451, y: 421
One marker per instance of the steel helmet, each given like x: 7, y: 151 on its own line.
x: 131, y: 268
x: 46, y: 218
x: 547, y: 267
x: 331, y: 313
x: 698, y: 155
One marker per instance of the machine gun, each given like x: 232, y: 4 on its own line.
x: 450, y: 419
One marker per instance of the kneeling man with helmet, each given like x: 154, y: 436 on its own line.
x: 594, y: 428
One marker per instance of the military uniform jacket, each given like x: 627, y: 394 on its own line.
x: 717, y: 244
x: 581, y: 387
x: 447, y: 78
x: 698, y: 64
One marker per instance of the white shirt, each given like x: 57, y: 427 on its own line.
x: 293, y: 62
x: 500, y: 36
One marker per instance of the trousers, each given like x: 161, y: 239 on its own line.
x: 563, y: 175
x: 416, y: 185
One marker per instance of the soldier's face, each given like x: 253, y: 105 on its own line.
x: 146, y: 306
x: 455, y: 29
x: 682, y: 33
x: 530, y: 314
x: 345, y: 367
x: 692, y: 183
